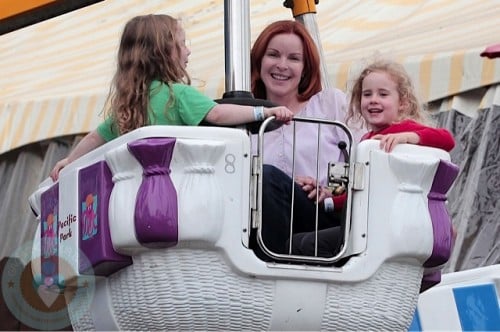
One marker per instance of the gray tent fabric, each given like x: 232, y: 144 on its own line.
x: 21, y: 171
x: 475, y: 195
x: 472, y: 201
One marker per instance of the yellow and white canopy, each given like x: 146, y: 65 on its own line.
x: 55, y: 75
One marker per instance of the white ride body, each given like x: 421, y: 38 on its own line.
x: 466, y: 300
x: 211, y: 280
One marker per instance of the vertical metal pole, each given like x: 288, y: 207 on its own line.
x: 309, y: 21
x: 304, y: 11
x: 237, y: 44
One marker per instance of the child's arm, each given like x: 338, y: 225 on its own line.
x: 433, y: 137
x: 229, y: 114
x: 437, y: 138
x: 91, y: 141
x: 389, y: 141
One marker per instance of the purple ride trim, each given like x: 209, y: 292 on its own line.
x: 156, y: 209
x: 446, y: 173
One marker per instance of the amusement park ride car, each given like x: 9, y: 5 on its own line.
x: 152, y: 230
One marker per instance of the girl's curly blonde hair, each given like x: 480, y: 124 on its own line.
x: 411, y: 109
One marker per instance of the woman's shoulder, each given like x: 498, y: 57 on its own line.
x: 329, y: 103
x: 329, y: 97
x: 331, y: 93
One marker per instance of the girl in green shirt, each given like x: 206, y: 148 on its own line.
x: 151, y: 87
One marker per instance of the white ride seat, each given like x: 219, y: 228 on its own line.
x: 170, y: 213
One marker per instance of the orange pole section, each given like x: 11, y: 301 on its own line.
x: 10, y: 8
x: 301, y: 7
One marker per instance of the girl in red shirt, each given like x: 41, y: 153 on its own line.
x: 383, y: 99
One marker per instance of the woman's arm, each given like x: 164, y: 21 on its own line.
x: 230, y: 114
x: 308, y: 184
x: 91, y: 141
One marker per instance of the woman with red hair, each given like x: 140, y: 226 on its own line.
x: 285, y: 69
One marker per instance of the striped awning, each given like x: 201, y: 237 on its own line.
x: 55, y: 75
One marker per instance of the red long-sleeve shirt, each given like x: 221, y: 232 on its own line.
x: 433, y: 137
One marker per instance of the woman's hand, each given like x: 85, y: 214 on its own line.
x: 308, y: 184
x: 54, y: 174
x: 389, y: 141
x: 281, y: 113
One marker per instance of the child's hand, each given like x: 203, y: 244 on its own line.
x: 389, y: 141
x: 281, y: 113
x: 54, y: 174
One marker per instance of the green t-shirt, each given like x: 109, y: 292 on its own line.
x: 190, y: 106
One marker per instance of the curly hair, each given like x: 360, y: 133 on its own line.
x: 148, y: 51
x: 310, y: 83
x: 412, y: 108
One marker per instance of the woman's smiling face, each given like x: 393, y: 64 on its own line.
x: 282, y: 66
